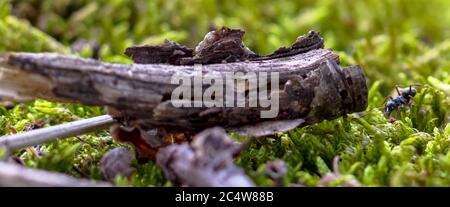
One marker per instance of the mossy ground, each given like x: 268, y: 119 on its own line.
x: 396, y: 42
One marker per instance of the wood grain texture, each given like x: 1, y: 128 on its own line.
x: 313, y: 87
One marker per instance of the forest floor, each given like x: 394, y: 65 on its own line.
x: 395, y: 42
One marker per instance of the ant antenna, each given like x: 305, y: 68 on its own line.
x: 417, y: 84
x: 413, y: 84
x: 398, y: 91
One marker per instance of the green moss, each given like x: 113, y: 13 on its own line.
x: 17, y: 35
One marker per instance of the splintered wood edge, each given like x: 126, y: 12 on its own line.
x: 20, y: 85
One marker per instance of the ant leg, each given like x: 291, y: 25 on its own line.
x: 411, y: 100
x: 385, y: 99
x: 391, y: 119
x: 397, y: 111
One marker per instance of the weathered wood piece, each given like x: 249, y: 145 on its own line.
x: 223, y: 45
x: 13, y: 175
x: 303, y: 43
x: 206, y: 162
x: 312, y: 87
x: 168, y: 52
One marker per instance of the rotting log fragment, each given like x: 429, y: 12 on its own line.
x: 304, y: 43
x: 311, y: 87
x: 206, y: 162
x: 168, y: 52
x: 219, y: 46
x: 223, y: 45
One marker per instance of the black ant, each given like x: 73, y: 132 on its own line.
x: 404, y: 98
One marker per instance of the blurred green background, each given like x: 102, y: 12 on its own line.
x: 397, y: 42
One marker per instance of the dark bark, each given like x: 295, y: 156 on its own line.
x: 169, y: 52
x: 223, y: 45
x: 312, y: 87
x: 304, y: 43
